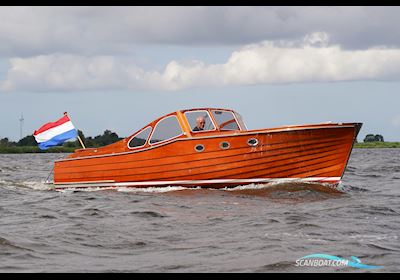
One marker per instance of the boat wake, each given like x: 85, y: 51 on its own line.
x: 34, y: 185
x: 155, y: 189
x: 39, y: 186
x: 291, y: 191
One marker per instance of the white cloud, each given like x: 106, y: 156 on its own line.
x: 61, y: 72
x: 311, y: 59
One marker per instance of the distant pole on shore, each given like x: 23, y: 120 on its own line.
x: 21, y: 124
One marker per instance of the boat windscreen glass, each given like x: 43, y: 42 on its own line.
x: 139, y: 140
x: 199, y: 121
x: 166, y: 129
x: 241, y: 122
x: 225, y: 120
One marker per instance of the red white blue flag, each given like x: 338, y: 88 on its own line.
x: 55, y: 133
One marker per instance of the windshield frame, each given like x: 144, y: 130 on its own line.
x: 234, y: 117
x: 136, y: 134
x: 165, y: 140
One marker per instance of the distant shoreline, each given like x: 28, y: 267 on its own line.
x: 36, y: 150
x: 377, y: 145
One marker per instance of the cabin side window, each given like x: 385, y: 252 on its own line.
x: 195, y: 118
x: 225, y: 120
x: 139, y: 140
x: 166, y: 129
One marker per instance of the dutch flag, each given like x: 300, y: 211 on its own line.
x: 55, y: 133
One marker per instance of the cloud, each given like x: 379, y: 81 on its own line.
x: 310, y: 59
x: 89, y: 31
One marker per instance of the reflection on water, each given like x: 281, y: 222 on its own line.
x: 290, y: 192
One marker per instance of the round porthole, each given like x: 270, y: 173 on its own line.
x: 199, y: 148
x: 252, y: 142
x: 224, y: 145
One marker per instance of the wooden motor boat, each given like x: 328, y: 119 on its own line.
x: 170, y: 152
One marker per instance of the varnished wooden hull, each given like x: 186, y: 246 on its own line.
x: 310, y: 153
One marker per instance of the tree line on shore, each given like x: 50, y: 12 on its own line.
x: 373, y: 138
x: 29, y: 144
x: 108, y: 137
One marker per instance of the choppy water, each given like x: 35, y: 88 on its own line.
x: 257, y: 228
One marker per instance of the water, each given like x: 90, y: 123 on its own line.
x: 256, y: 228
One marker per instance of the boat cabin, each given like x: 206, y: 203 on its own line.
x: 176, y: 125
x: 183, y: 124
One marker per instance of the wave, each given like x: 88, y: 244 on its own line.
x: 148, y: 214
x: 34, y: 185
x: 7, y: 244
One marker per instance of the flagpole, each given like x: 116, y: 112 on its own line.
x: 79, y: 138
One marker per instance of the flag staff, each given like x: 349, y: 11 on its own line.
x: 79, y: 138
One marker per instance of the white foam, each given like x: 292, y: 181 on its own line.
x: 251, y: 187
x: 34, y: 185
x: 127, y: 189
x: 40, y: 186
x: 91, y: 189
x: 154, y: 189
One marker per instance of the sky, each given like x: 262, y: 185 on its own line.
x: 119, y: 68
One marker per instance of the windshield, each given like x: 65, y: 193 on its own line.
x: 225, y: 120
x: 241, y: 122
x: 199, y: 121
